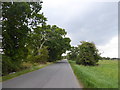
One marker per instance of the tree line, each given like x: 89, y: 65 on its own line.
x: 28, y: 38
x: 86, y: 54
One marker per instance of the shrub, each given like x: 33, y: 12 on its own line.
x: 9, y: 66
x: 26, y: 65
x: 88, y: 54
x: 42, y: 57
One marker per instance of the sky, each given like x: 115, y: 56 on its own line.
x: 86, y: 21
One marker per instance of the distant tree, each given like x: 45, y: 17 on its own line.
x: 73, y: 54
x: 57, y: 42
x: 106, y: 58
x: 88, y: 54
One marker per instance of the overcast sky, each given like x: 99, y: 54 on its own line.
x: 86, y: 21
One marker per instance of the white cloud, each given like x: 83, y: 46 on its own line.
x: 110, y: 49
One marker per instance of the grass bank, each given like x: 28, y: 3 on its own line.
x: 105, y: 75
x: 32, y: 68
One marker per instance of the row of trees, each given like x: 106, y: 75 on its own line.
x: 85, y: 54
x: 28, y: 38
x: 108, y: 58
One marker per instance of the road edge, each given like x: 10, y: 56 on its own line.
x: 79, y: 83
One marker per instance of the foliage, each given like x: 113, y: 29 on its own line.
x: 26, y: 36
x: 36, y: 16
x: 24, y: 71
x: 105, y: 75
x: 17, y: 18
x: 15, y: 30
x: 26, y: 65
x: 88, y: 54
x: 57, y: 42
x: 43, y: 56
x: 51, y: 36
x: 73, y: 54
x: 9, y: 65
x: 106, y: 58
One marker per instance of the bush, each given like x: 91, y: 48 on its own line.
x: 26, y: 65
x: 8, y: 65
x: 88, y: 54
x: 42, y: 57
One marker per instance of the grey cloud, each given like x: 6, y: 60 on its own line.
x: 98, y: 24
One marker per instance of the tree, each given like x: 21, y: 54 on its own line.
x: 26, y: 35
x: 73, y: 54
x: 18, y: 21
x: 57, y: 42
x: 42, y: 57
x: 88, y: 54
x: 38, y: 38
x: 36, y: 17
x: 15, y: 30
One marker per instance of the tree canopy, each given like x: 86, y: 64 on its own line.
x: 86, y: 53
x: 27, y: 37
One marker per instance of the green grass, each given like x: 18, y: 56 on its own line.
x: 33, y: 68
x: 105, y: 75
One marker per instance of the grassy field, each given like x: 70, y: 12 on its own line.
x: 105, y: 75
x: 32, y: 68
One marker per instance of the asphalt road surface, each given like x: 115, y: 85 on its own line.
x: 58, y: 75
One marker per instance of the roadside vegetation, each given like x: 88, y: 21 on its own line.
x: 28, y: 39
x: 91, y: 69
x: 105, y: 75
x: 29, y: 68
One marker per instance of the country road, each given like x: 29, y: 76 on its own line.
x: 57, y: 75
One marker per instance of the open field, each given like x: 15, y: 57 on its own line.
x: 105, y: 75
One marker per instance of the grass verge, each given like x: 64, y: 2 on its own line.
x: 105, y: 75
x: 13, y: 75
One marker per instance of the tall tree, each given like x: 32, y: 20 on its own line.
x: 51, y: 36
x: 18, y: 19
x: 25, y: 32
x: 73, y: 54
x: 88, y: 54
x: 36, y: 17
x: 15, y: 29
x: 57, y: 43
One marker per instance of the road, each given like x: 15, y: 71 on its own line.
x: 57, y: 75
